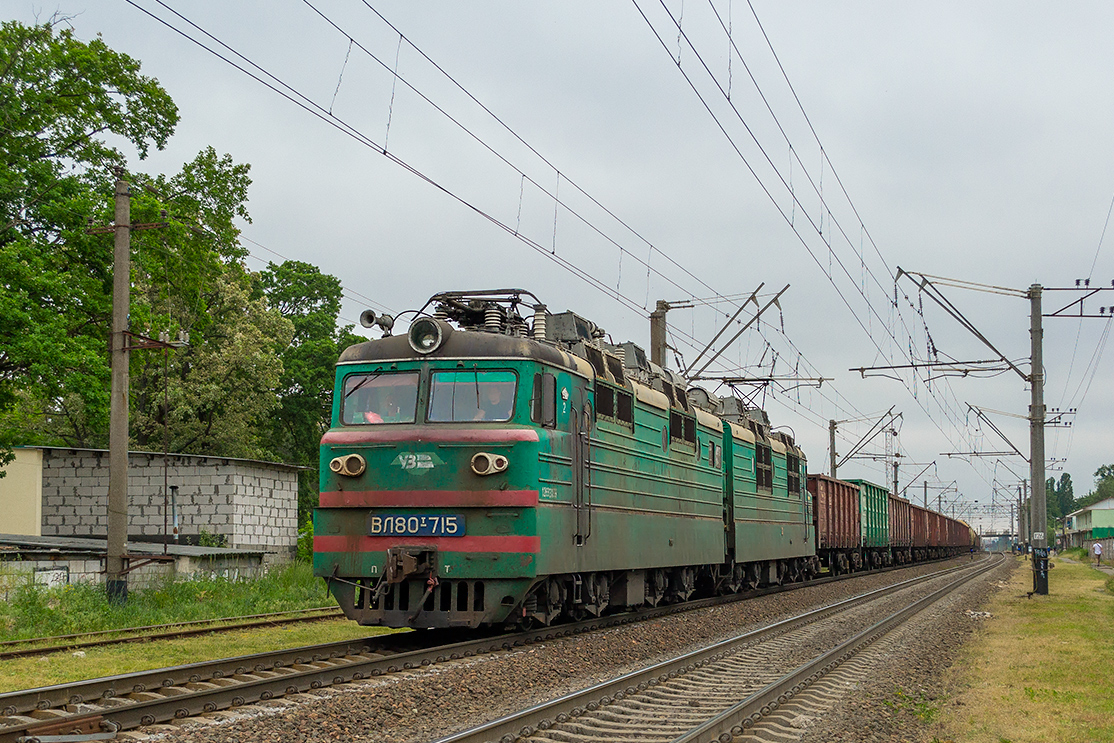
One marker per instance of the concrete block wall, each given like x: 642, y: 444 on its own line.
x: 254, y: 505
x: 67, y: 569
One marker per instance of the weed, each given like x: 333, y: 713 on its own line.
x: 919, y: 705
x: 208, y: 539
x: 305, y: 543
x: 33, y: 610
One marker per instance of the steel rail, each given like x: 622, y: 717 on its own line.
x: 745, y: 714
x: 181, y: 691
x: 543, y: 716
x: 133, y: 634
x: 21, y: 702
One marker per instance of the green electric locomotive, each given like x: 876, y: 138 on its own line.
x: 492, y: 467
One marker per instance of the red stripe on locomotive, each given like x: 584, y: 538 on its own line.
x: 441, y: 544
x: 428, y: 498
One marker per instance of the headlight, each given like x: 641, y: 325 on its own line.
x: 488, y: 464
x: 351, y: 465
x: 426, y: 335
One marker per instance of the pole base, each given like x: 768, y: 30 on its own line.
x: 1040, y: 571
x: 117, y: 590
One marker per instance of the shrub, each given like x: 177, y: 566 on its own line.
x: 208, y: 539
x: 305, y: 543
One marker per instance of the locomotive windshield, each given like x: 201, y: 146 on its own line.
x: 457, y: 396
x: 380, y: 398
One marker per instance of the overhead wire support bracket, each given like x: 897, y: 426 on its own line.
x: 752, y: 298
x: 877, y: 428
x: 929, y: 288
x: 741, y: 330
x: 1104, y: 312
x: 982, y: 416
x: 960, y: 367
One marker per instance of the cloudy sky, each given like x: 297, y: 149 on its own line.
x: 698, y: 149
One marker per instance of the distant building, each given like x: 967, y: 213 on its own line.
x: 1094, y: 523
x: 243, y: 504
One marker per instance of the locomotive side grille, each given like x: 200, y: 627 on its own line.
x: 445, y: 601
x: 478, y: 597
x: 462, y: 596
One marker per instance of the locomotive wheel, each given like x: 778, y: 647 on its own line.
x: 655, y: 591
x: 752, y: 579
x: 738, y: 576
x: 683, y: 584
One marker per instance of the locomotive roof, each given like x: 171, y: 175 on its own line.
x: 462, y: 344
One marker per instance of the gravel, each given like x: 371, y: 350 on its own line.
x: 429, y: 703
x: 902, y: 687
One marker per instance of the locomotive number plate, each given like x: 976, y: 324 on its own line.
x: 415, y: 525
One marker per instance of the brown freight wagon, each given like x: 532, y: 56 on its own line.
x: 836, y: 516
x: 901, y: 530
x: 937, y: 533
x: 919, y: 530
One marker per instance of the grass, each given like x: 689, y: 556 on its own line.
x: 58, y: 668
x: 916, y: 704
x: 32, y: 610
x: 1041, y: 670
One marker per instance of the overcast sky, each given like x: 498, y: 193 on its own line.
x: 972, y: 139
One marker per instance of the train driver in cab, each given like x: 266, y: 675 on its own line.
x: 495, y: 404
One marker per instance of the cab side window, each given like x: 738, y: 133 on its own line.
x: 543, y: 402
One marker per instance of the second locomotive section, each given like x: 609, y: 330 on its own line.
x: 497, y: 473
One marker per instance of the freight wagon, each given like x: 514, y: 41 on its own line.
x: 849, y: 535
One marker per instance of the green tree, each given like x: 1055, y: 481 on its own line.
x: 58, y: 97
x: 1104, y: 487
x: 311, y: 301
x: 215, y: 395
x: 1065, y: 495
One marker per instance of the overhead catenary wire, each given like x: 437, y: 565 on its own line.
x: 750, y: 167
x: 319, y: 111
x: 351, y: 131
x: 314, y: 109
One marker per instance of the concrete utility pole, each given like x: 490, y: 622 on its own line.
x: 1012, y: 524
x: 1036, y: 445
x: 832, y: 446
x: 657, y: 333
x: 926, y: 494
x: 116, y: 579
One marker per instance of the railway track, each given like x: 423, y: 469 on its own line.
x: 724, y: 691
x: 145, y: 698
x: 45, y: 645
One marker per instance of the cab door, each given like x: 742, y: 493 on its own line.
x: 580, y: 426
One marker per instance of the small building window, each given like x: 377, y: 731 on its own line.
x: 682, y: 428
x: 624, y: 406
x: 763, y: 467
x: 605, y: 401
x: 793, y: 467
